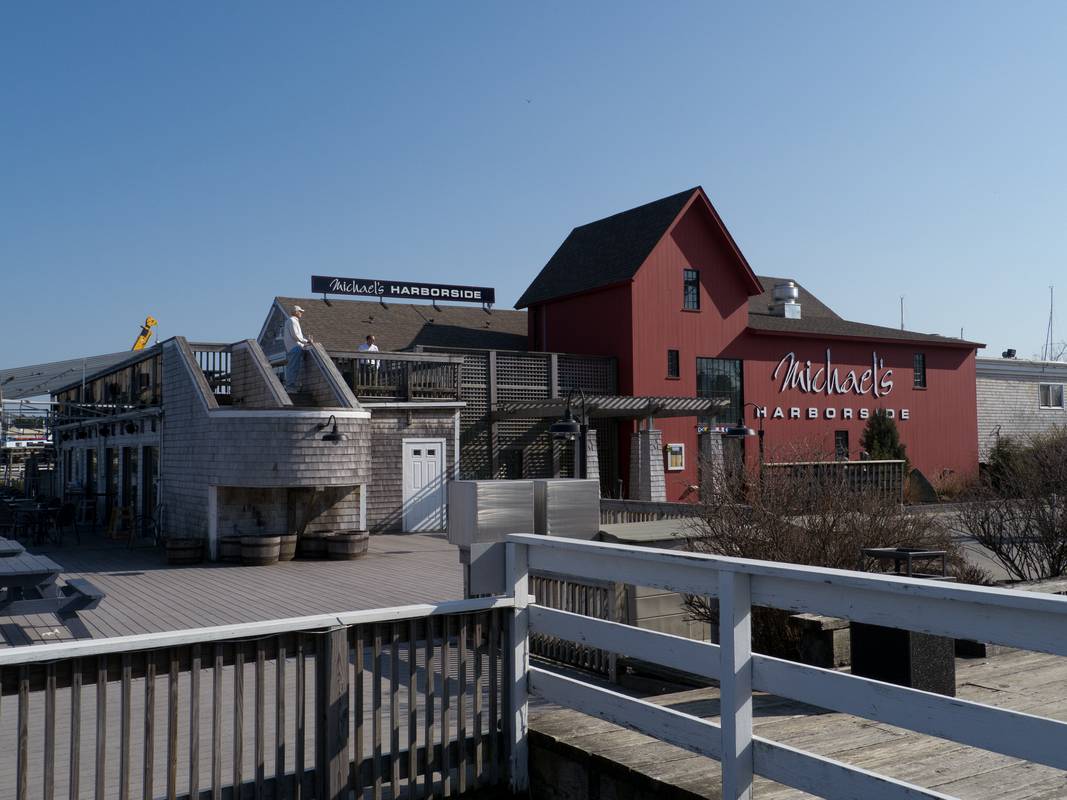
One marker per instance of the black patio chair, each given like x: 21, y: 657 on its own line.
x: 66, y: 517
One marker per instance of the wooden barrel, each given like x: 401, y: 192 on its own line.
x: 287, y: 550
x: 230, y: 548
x: 345, y: 545
x: 185, y: 551
x: 260, y: 550
x: 312, y: 544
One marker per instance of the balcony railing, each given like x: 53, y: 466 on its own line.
x: 1017, y: 619
x: 403, y: 377
x: 411, y: 700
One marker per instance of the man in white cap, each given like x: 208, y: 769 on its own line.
x: 295, y: 342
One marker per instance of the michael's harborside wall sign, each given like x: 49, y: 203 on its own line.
x: 402, y: 290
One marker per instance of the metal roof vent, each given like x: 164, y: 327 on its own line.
x: 785, y: 300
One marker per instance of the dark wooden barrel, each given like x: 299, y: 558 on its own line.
x: 287, y: 550
x: 230, y: 548
x: 260, y: 550
x: 185, y: 551
x: 345, y: 545
x: 312, y: 544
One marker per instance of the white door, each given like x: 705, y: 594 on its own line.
x: 424, y: 484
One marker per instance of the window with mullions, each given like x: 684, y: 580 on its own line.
x: 691, y: 293
x: 919, y: 365
x: 674, y: 370
x: 1051, y: 395
x: 720, y: 378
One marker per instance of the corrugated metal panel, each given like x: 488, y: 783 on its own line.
x: 41, y: 379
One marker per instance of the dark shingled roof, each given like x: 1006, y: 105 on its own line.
x: 810, y: 305
x: 816, y: 318
x: 344, y: 324
x: 605, y: 252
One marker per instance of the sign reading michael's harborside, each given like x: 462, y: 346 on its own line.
x: 368, y: 287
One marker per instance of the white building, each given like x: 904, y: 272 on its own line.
x: 1018, y: 398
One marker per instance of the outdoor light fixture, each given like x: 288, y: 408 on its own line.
x: 571, y: 430
x: 566, y: 428
x: 738, y: 431
x: 333, y: 435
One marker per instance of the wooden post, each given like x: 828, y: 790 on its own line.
x: 735, y: 684
x: 518, y: 578
x: 331, y: 715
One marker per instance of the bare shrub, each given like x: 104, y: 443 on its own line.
x: 1017, y: 512
x: 804, y: 517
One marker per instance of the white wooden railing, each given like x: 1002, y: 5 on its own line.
x: 408, y: 701
x: 1018, y: 619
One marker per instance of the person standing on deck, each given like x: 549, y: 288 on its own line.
x: 368, y: 368
x: 295, y: 342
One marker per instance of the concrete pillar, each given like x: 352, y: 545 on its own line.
x: 592, y: 462
x: 646, y: 466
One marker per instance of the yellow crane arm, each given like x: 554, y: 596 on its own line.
x: 146, y: 333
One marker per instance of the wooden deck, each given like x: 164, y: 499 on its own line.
x: 1017, y: 680
x: 144, y: 594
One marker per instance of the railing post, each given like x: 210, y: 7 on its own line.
x: 331, y: 715
x: 518, y: 579
x: 735, y: 683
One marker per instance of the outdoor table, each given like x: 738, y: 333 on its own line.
x: 29, y: 585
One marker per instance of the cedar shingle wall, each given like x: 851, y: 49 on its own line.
x: 1011, y: 407
x: 389, y: 427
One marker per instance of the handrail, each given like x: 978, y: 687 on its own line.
x: 987, y: 614
x: 79, y: 648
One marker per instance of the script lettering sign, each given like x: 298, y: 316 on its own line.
x: 401, y: 290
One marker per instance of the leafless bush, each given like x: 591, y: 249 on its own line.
x: 1018, y: 510
x: 801, y: 518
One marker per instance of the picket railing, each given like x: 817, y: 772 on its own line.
x: 1017, y: 619
x: 411, y: 701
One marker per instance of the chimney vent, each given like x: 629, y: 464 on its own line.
x: 785, y: 300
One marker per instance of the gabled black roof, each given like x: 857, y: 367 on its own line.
x: 605, y: 252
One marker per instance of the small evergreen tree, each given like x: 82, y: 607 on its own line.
x: 881, y: 439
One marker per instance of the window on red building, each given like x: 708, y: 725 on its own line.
x: 841, y: 445
x: 691, y: 296
x: 673, y: 367
x: 919, y: 364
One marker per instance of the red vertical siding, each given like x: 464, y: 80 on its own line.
x: 661, y: 324
x: 941, y: 432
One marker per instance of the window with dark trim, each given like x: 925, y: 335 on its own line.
x: 919, y: 365
x: 691, y: 296
x: 841, y: 445
x: 673, y: 368
x: 721, y: 379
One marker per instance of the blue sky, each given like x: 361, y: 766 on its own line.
x: 193, y: 160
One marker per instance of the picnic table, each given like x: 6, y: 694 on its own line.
x: 29, y: 585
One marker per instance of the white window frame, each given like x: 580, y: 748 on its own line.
x: 1040, y: 399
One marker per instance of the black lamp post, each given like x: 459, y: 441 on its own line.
x: 571, y: 430
x: 758, y: 433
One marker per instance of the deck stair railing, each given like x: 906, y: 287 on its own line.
x: 410, y: 702
x: 1017, y: 619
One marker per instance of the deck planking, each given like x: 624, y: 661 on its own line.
x: 145, y: 595
x: 1023, y: 681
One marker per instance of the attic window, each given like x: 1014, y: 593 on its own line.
x: 691, y: 290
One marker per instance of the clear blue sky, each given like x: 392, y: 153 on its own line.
x: 192, y: 160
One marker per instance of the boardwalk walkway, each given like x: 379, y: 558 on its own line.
x: 144, y: 595
x: 1019, y: 680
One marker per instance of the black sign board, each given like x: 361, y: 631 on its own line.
x: 401, y: 290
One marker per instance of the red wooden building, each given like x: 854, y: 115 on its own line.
x: 665, y: 290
